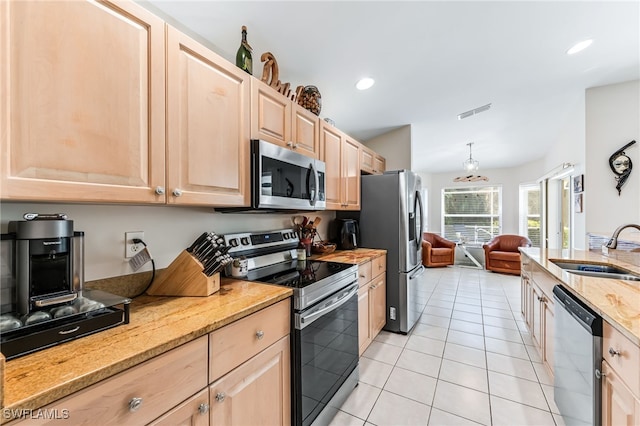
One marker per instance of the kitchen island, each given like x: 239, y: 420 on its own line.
x: 158, y: 325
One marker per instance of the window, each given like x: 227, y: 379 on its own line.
x: 473, y: 214
x: 530, y: 213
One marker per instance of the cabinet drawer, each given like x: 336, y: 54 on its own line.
x: 544, y: 279
x: 364, y: 274
x: 626, y: 358
x: 159, y: 383
x: 379, y: 265
x: 235, y: 343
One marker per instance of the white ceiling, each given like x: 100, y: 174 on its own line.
x: 433, y: 60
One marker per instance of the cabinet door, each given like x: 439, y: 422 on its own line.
x: 193, y: 412
x: 270, y: 114
x: 351, y: 174
x: 536, y: 315
x: 208, y: 115
x: 548, y: 307
x: 378, y: 304
x: 257, y: 392
x: 366, y: 159
x: 331, y: 154
x: 364, y: 329
x: 305, y: 132
x: 619, y: 406
x: 379, y: 164
x: 83, y: 118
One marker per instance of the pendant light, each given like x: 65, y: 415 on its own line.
x: 470, y: 164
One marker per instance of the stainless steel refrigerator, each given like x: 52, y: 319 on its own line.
x: 391, y: 218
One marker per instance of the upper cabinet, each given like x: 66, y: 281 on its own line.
x: 277, y: 119
x: 341, y: 155
x: 370, y: 162
x: 83, y: 110
x: 208, y: 126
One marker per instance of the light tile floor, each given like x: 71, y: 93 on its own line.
x: 469, y: 360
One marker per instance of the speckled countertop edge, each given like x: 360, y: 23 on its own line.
x: 617, y: 301
x: 158, y: 324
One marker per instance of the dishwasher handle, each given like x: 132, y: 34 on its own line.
x: 585, y: 316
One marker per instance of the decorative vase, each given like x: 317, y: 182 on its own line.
x: 310, y: 99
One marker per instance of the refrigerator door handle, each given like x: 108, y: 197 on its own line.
x: 418, y: 209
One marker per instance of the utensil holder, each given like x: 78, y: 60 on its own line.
x: 184, y: 277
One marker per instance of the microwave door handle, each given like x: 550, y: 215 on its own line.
x: 313, y: 194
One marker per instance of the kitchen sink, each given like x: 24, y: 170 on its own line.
x: 597, y: 270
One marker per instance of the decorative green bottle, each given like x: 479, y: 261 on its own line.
x: 243, y: 57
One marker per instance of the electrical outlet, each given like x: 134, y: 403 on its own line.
x: 131, y: 248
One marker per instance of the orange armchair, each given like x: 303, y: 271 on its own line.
x: 437, y: 251
x: 502, y: 255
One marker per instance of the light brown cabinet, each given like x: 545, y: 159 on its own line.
x: 538, y: 308
x: 372, y: 300
x: 257, y: 392
x: 621, y: 379
x: 237, y: 375
x: 341, y: 155
x: 277, y: 119
x: 208, y: 127
x: 620, y: 407
x: 194, y: 412
x: 83, y: 106
x: 371, y: 162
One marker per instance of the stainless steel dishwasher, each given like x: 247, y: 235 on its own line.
x: 577, y: 360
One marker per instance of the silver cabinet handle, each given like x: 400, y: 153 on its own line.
x: 614, y: 352
x: 259, y: 334
x: 220, y: 396
x: 290, y: 144
x: 203, y: 408
x: 177, y: 192
x: 599, y: 374
x: 159, y: 190
x: 362, y: 276
x: 135, y: 404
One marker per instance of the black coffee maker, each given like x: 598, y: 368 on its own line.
x: 49, y: 262
x: 347, y: 233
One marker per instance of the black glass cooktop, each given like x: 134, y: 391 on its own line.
x: 297, y: 274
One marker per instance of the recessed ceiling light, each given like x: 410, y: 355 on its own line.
x: 579, y: 47
x: 365, y: 83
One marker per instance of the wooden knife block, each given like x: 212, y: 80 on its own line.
x: 184, y: 277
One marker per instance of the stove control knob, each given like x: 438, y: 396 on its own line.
x: 233, y: 242
x: 285, y: 235
x: 244, y: 241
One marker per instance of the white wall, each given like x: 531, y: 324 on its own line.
x: 612, y: 120
x: 167, y: 229
x: 509, y: 178
x: 395, y: 147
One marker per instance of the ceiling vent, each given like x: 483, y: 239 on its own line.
x: 474, y: 111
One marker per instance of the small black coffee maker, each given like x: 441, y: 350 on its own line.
x: 49, y: 259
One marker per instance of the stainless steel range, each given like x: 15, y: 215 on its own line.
x: 325, y: 311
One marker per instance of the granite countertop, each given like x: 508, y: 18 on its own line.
x: 617, y: 301
x: 354, y: 257
x: 157, y: 325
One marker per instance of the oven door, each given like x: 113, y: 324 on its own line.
x: 325, y: 352
x: 284, y: 179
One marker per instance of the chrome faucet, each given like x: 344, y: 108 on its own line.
x: 613, y: 242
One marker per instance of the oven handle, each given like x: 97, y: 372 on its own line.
x: 334, y: 303
x: 314, y: 194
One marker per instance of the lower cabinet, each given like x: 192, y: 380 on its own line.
x: 194, y: 412
x: 239, y: 374
x: 372, y: 301
x: 619, y: 405
x: 538, y: 309
x: 257, y: 392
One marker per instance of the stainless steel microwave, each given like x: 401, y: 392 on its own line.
x: 284, y: 179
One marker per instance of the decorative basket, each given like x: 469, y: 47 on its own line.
x: 323, y: 248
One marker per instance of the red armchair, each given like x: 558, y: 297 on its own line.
x: 502, y: 255
x: 437, y: 251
